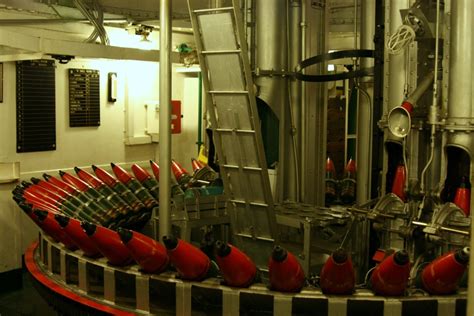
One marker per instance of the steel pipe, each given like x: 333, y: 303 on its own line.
x: 165, y: 119
x: 364, y: 111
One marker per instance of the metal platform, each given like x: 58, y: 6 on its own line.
x: 126, y: 291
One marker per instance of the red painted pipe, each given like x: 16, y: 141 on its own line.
x: 52, y: 228
x: 72, y: 227
x: 463, y: 196
x: 337, y: 275
x: 398, y: 186
x: 390, y: 277
x: 109, y: 244
x: 190, y: 262
x: 236, y: 267
x: 443, y: 274
x: 147, y: 252
x: 285, y: 272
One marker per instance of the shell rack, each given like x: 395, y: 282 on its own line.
x: 125, y: 291
x: 187, y: 214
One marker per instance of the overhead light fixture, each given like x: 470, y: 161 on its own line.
x: 144, y: 31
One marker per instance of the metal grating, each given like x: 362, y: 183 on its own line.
x: 228, y: 83
x: 84, y: 97
x: 35, y: 105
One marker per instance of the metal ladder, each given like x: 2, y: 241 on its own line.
x: 227, y: 80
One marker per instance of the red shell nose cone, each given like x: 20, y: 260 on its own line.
x: 236, y: 267
x: 156, y: 169
x: 330, y: 166
x: 443, y: 274
x: 390, y: 277
x: 109, y: 244
x: 52, y: 188
x: 147, y: 252
x: 72, y: 227
x: 103, y: 175
x: 398, y: 186
x: 87, y: 177
x: 178, y: 170
x: 72, y: 180
x: 51, y: 227
x: 61, y: 184
x: 351, y: 166
x: 337, y: 275
x: 140, y: 173
x: 196, y: 164
x: 189, y: 261
x: 285, y: 272
x: 121, y: 173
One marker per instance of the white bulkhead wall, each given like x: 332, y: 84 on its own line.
x: 137, y: 86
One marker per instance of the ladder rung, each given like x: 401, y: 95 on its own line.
x: 218, y: 52
x: 229, y: 92
x: 250, y: 203
x: 230, y: 130
x: 244, y: 168
x: 255, y: 237
x: 198, y: 11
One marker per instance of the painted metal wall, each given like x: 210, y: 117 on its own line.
x: 137, y: 84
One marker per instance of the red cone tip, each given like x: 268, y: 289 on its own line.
x: 178, y: 170
x: 121, y: 173
x: 104, y: 176
x: 442, y: 275
x: 189, y: 261
x: 351, y: 166
x: 72, y: 180
x: 87, y: 177
x: 39, y: 191
x: 61, y: 184
x: 147, y: 252
x: 140, y: 173
x: 337, y: 274
x: 156, y: 169
x: 196, y: 164
x: 330, y: 166
x: 236, y: 267
x: 109, y: 244
x: 285, y: 272
x: 50, y: 187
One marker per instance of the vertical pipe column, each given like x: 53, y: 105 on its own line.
x: 396, y: 68
x: 460, y: 98
x: 165, y: 119
x: 302, y: 148
x: 272, y: 54
x: 295, y: 100
x: 364, y: 111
